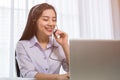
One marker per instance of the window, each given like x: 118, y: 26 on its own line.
x: 91, y: 19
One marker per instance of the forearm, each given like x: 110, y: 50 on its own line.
x: 40, y: 76
x: 67, y: 52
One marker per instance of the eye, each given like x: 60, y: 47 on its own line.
x: 45, y: 19
x: 54, y: 20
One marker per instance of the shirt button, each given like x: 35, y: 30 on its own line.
x: 45, y: 58
x: 46, y: 69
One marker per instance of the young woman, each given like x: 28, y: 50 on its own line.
x: 42, y: 50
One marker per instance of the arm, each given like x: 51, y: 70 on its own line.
x: 63, y: 41
x: 26, y: 67
x: 67, y: 53
x: 51, y: 76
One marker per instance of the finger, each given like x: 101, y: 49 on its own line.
x: 55, y: 33
x: 62, y: 35
x: 58, y: 34
x: 58, y: 31
x: 68, y: 77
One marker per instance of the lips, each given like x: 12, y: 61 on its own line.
x: 49, y: 29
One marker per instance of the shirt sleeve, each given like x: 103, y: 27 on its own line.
x: 65, y: 65
x: 26, y: 67
x: 64, y: 62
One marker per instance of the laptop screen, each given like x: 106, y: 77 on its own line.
x: 95, y: 59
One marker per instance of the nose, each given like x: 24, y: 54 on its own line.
x: 50, y: 22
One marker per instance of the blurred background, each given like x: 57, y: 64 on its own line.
x: 81, y: 19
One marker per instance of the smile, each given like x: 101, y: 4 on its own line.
x: 49, y: 29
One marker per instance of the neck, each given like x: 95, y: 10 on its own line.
x: 43, y: 39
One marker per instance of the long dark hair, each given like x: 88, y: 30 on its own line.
x: 34, y: 14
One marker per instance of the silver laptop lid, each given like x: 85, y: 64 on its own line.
x: 95, y: 59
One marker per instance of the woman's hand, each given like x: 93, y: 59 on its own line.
x: 61, y: 37
x: 64, y: 77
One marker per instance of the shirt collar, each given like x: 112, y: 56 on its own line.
x: 52, y: 42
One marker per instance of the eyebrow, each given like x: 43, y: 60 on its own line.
x: 47, y: 16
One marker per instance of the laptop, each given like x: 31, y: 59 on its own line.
x: 94, y: 59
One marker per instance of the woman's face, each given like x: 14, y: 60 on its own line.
x: 46, y: 23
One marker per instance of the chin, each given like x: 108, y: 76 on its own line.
x: 49, y: 34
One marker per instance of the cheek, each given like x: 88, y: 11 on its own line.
x: 39, y: 28
x: 41, y: 25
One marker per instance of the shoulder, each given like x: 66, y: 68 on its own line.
x: 22, y: 43
x: 22, y: 46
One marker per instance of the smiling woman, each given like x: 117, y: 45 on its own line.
x: 13, y: 15
x: 37, y: 44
